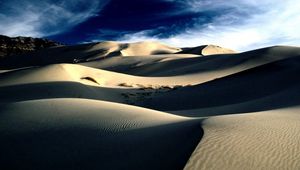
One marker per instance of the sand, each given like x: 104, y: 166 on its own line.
x: 147, y: 105
x: 87, y: 134
x: 207, y: 50
x: 85, y: 53
x: 262, y: 140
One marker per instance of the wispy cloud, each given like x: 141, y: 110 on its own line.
x: 242, y: 25
x: 44, y: 18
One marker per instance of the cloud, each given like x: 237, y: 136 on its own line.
x: 43, y: 18
x: 242, y: 25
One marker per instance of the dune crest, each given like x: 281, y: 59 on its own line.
x: 147, y: 48
x: 213, y: 49
x: 207, y: 50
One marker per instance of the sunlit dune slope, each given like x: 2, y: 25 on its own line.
x: 262, y: 140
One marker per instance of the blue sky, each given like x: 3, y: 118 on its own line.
x: 236, y: 24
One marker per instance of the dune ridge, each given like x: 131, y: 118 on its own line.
x: 207, y: 50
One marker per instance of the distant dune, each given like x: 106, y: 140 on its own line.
x: 96, y: 51
x: 206, y: 50
x: 146, y: 105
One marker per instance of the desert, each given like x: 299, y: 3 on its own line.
x: 146, y: 105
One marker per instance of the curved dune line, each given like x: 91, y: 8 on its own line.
x: 80, y: 133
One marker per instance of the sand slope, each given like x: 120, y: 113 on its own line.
x: 263, y: 140
x: 273, y: 84
x: 89, y: 134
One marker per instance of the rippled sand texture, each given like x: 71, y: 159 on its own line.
x: 262, y: 140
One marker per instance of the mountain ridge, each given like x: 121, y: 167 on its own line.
x: 20, y: 45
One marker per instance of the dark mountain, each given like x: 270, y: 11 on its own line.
x: 19, y: 45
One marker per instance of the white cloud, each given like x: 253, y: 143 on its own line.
x: 42, y: 18
x: 251, y: 24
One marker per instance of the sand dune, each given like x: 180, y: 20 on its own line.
x: 207, y: 50
x: 273, y: 79
x: 85, y: 52
x: 211, y: 67
x: 72, y: 108
x: 91, y: 76
x: 80, y: 134
x: 262, y: 140
x: 147, y: 48
x: 97, y: 51
x: 69, y: 81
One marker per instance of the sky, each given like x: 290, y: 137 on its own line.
x: 237, y: 24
